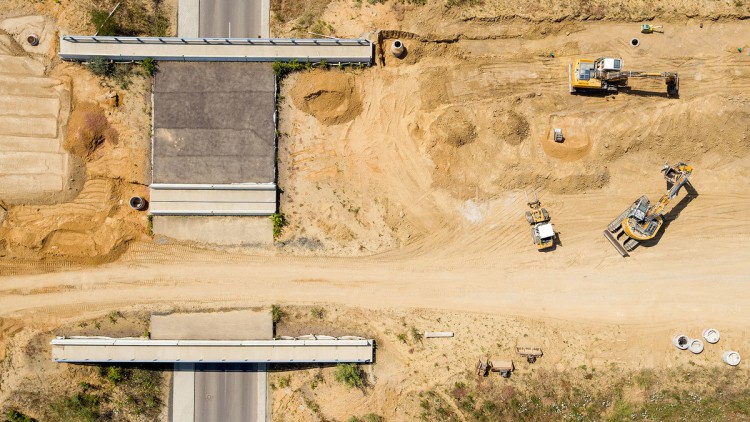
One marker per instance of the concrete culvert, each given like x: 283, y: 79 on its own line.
x: 635, y: 42
x: 731, y: 358
x: 138, y: 203
x: 696, y: 346
x: 711, y: 335
x: 397, y: 49
x: 681, y: 341
x: 33, y: 39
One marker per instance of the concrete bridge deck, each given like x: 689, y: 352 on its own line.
x: 217, y: 49
x: 124, y: 350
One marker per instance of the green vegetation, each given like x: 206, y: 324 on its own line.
x: 284, y: 382
x: 602, y: 395
x: 282, y: 69
x: 276, y: 313
x: 100, y: 66
x: 114, y: 316
x: 132, y: 18
x: 106, y: 27
x: 279, y: 221
x: 416, y: 335
x: 349, y: 374
x: 119, y: 73
x: 112, y: 373
x: 13, y: 415
x: 83, y: 407
x: 150, y: 66
x: 370, y: 417
x: 462, y: 3
x: 318, y: 313
x: 402, y: 338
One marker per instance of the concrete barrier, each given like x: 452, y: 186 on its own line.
x: 334, y: 51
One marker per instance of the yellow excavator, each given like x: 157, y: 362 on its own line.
x: 605, y: 74
x: 642, y: 221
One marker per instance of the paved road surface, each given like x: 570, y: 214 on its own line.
x: 230, y: 18
x: 226, y: 392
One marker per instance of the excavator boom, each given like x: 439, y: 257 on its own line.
x: 642, y: 221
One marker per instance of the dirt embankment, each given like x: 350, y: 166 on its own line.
x: 107, y: 133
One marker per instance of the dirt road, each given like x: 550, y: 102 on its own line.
x: 452, y: 216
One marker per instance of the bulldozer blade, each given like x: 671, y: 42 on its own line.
x: 615, y: 243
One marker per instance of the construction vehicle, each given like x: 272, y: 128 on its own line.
x: 558, y: 135
x: 650, y: 29
x: 641, y: 221
x: 542, y: 231
x: 605, y: 74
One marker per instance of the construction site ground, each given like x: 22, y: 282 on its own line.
x: 404, y: 191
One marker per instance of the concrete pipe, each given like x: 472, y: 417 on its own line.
x: 138, y: 203
x: 711, y: 335
x: 731, y: 358
x: 33, y: 39
x: 397, y: 49
x: 696, y: 346
x: 681, y: 341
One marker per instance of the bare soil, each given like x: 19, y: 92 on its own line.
x: 404, y: 188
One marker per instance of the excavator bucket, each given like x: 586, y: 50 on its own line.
x: 615, y: 243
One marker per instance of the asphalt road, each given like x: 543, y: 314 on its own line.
x: 226, y: 392
x: 230, y: 18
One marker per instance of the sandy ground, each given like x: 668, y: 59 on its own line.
x: 404, y: 191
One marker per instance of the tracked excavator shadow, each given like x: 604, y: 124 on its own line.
x: 673, y: 214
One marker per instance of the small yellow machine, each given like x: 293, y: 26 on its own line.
x: 650, y: 29
x: 542, y: 231
x: 642, y: 221
x: 606, y: 74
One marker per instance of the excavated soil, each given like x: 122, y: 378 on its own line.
x: 88, y: 129
x: 331, y: 97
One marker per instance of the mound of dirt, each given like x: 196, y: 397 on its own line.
x: 576, y: 143
x: 511, y: 127
x: 88, y: 128
x: 329, y: 96
x: 453, y: 127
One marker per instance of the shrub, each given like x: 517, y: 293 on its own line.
x: 13, y: 415
x: 416, y: 335
x: 284, y: 382
x: 114, y: 374
x: 81, y: 407
x: 318, y: 313
x: 150, y: 66
x: 349, y: 374
x: 276, y: 313
x: 100, y: 66
x: 282, y: 69
x: 278, y: 223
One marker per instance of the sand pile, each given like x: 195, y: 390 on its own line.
x: 453, y: 127
x: 329, y: 96
x: 511, y: 127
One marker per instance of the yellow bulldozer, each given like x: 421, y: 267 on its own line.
x: 641, y: 221
x: 606, y: 74
x: 542, y: 231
